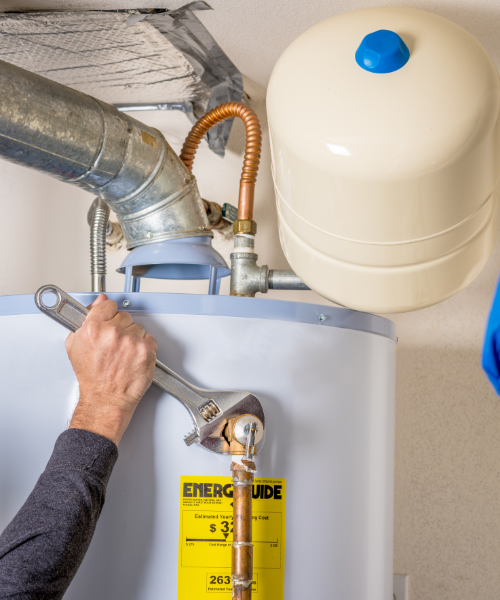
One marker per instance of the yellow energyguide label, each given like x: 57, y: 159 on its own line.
x: 206, y: 538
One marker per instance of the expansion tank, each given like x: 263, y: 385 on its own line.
x: 385, y: 139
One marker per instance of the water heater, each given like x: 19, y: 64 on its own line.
x: 327, y: 387
x: 384, y: 127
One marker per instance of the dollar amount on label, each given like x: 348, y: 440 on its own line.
x: 214, y: 531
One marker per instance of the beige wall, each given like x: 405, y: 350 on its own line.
x: 447, y: 497
x: 447, y: 518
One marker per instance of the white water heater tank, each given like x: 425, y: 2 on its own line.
x: 384, y: 127
x: 327, y: 386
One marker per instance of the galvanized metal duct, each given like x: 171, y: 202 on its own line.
x: 81, y: 140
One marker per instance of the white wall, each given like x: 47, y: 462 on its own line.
x: 447, y: 535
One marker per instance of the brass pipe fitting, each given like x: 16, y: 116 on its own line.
x: 253, y: 148
x: 244, y: 226
x: 214, y: 215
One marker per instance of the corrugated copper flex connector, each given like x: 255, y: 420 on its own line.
x: 252, y: 149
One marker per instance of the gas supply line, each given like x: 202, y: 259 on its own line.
x: 100, y: 226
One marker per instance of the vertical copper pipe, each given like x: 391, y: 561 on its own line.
x: 252, y: 149
x: 242, y: 562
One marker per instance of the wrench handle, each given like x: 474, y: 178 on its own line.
x: 69, y: 312
x: 66, y: 310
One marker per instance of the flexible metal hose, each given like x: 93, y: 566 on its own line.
x: 252, y: 149
x: 98, y: 220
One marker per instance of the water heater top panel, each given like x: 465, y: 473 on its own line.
x: 385, y: 137
x: 222, y: 306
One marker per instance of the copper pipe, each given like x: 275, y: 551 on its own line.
x: 242, y: 560
x: 252, y: 149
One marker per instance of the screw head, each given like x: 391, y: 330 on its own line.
x: 321, y: 318
x: 149, y: 234
x: 126, y: 303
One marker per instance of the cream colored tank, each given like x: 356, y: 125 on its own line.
x: 386, y: 182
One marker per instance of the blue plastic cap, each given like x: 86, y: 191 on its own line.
x: 382, y: 52
x: 182, y: 258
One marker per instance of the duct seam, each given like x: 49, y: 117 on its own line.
x: 179, y: 195
x: 100, y: 151
x: 148, y: 182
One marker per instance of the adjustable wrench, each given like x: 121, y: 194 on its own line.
x: 210, y: 410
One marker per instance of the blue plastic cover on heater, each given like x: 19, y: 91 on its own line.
x: 382, y: 51
x: 183, y: 258
x: 491, y: 348
x: 223, y: 306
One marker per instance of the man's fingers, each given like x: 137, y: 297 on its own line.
x: 140, y: 332
x: 123, y: 319
x: 137, y: 330
x: 104, y: 310
x: 98, y: 300
x: 150, y: 339
x: 69, y: 341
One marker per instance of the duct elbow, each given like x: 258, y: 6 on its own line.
x: 80, y: 140
x: 153, y: 194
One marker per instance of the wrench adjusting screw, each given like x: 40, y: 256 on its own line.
x: 209, y: 410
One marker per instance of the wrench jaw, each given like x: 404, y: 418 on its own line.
x: 219, y: 445
x: 209, y: 434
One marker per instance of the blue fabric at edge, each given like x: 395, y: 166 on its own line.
x: 491, y: 347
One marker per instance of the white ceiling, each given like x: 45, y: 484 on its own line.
x: 86, y: 50
x: 255, y: 32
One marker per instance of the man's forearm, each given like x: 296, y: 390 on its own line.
x: 43, y: 546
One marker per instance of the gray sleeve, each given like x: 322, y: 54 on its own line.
x: 43, y: 546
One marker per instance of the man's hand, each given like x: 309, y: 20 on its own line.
x: 114, y: 361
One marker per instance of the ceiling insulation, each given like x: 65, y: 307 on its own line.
x: 128, y: 58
